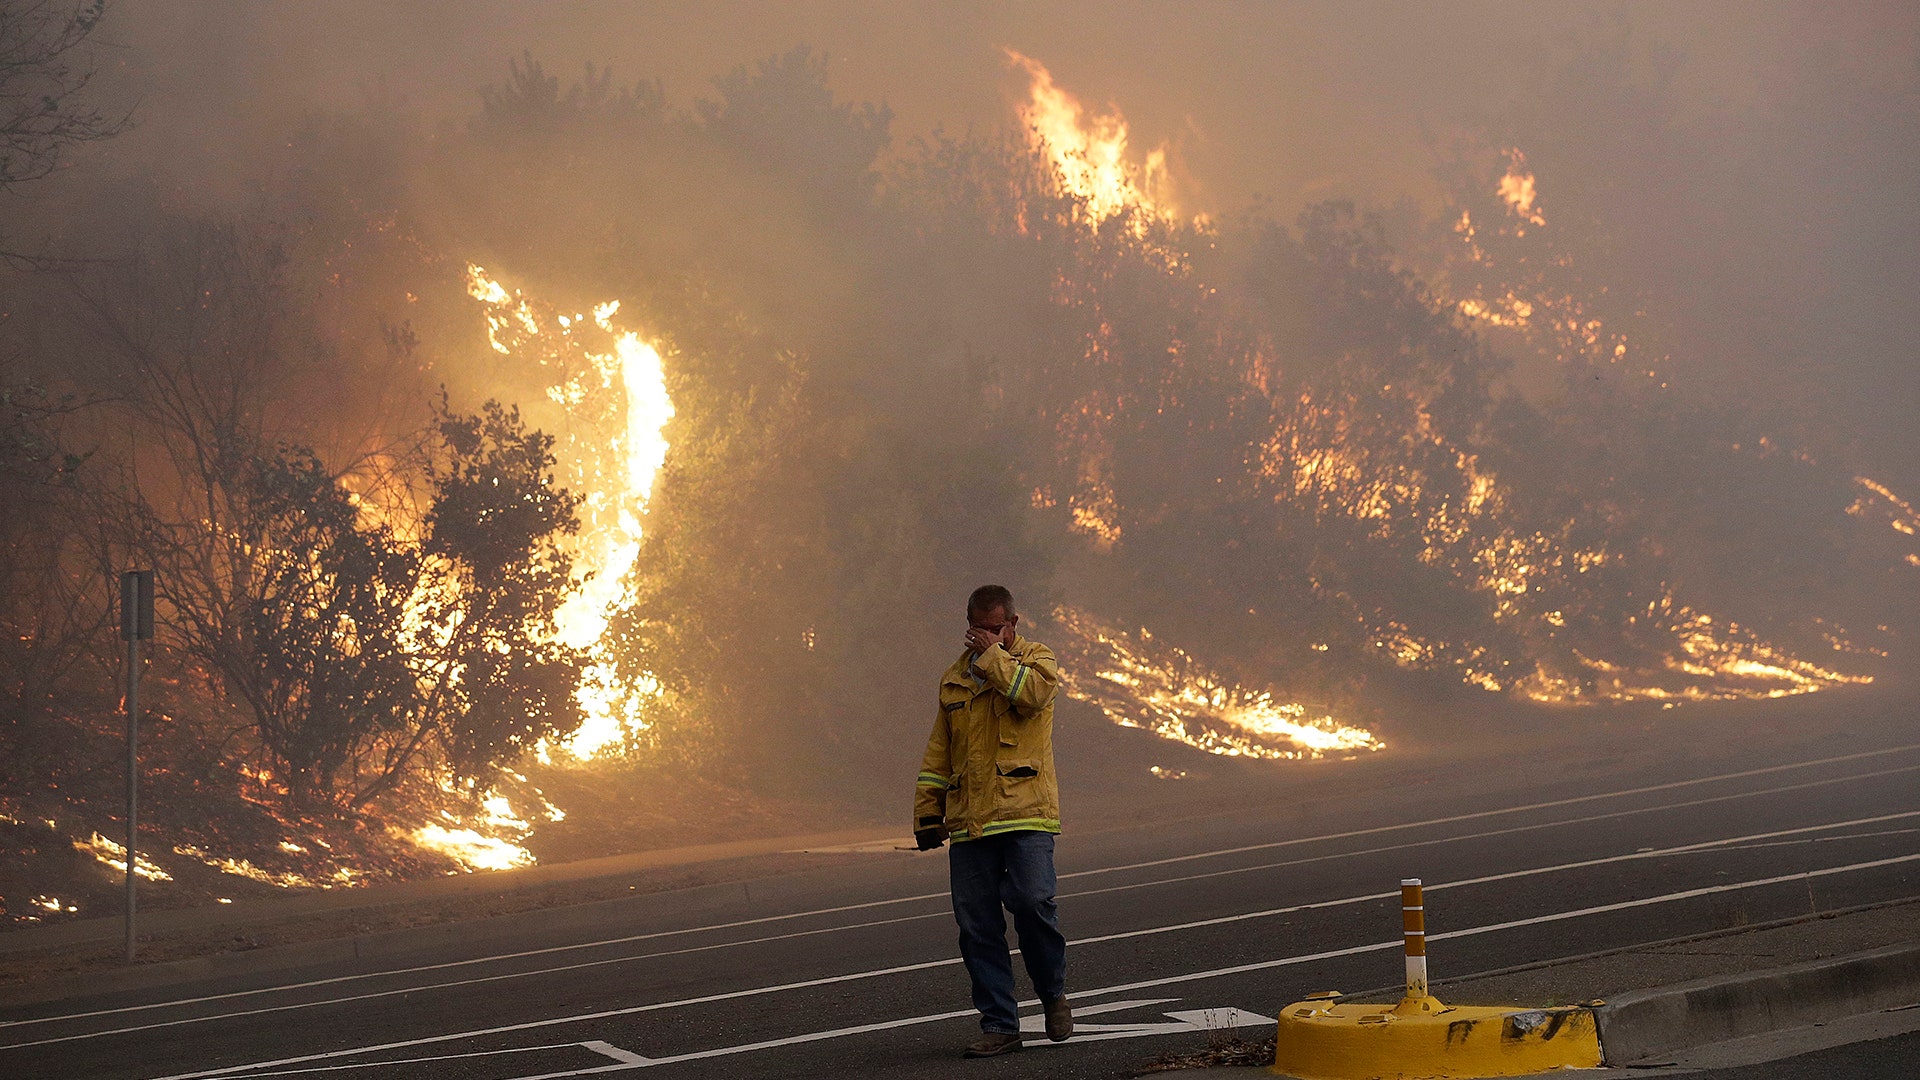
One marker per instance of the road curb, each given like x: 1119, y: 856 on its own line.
x: 1643, y: 1025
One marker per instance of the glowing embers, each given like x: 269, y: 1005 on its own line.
x: 280, y: 879
x: 1089, y: 153
x: 1509, y: 311
x: 1517, y: 191
x: 1712, y: 660
x: 1454, y: 515
x: 115, y: 856
x: 1881, y: 504
x: 1095, y: 515
x: 488, y: 840
x: 612, y: 386
x: 1516, y: 279
x: 1163, y: 690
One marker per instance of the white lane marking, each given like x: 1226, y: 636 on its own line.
x: 1559, y: 916
x: 883, y: 1025
x: 498, y: 977
x: 1572, y: 801
x: 1686, y: 894
x: 627, y: 940
x: 1186, y: 1020
x: 1864, y: 835
x: 1223, y: 1019
x: 1145, y: 984
x: 1654, y: 853
x: 1490, y: 833
x: 1204, y: 1019
x: 1822, y: 839
x: 928, y: 965
x: 179, y: 1002
x: 1645, y: 853
x: 614, y: 1052
x: 420, y: 1060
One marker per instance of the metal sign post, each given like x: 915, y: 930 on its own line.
x: 136, y: 625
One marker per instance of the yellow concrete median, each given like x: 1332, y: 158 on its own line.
x: 1318, y: 1040
x: 1422, y: 1038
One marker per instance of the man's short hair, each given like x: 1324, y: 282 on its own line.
x: 987, y: 597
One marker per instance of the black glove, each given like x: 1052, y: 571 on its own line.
x: 930, y: 838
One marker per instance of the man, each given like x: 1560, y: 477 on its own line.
x: 987, y: 782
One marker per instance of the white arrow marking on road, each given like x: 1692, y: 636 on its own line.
x: 1222, y: 1019
x: 626, y: 1057
x: 1038, y: 1022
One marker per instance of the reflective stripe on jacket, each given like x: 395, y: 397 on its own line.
x: 989, y: 762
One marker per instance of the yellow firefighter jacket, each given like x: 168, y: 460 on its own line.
x: 989, y: 762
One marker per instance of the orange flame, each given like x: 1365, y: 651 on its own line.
x: 1089, y: 152
x: 1553, y: 316
x: 1139, y: 684
x: 613, y: 467
x: 1517, y: 190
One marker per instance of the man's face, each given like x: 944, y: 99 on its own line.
x: 986, y: 628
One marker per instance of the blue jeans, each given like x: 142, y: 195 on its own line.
x: 1014, y: 870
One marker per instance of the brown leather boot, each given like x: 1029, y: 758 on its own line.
x: 992, y: 1044
x: 1059, y: 1019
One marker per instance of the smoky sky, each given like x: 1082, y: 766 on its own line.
x: 1788, y: 250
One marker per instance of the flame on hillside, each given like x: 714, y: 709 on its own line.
x: 1089, y: 153
x: 1557, y: 317
x: 1711, y: 660
x: 1465, y: 526
x: 282, y: 879
x: 616, y: 398
x: 1517, y: 190
x: 1138, y: 683
x: 489, y: 841
x: 1090, y: 164
x: 611, y: 384
x: 1900, y: 515
x: 1411, y: 489
x: 114, y: 855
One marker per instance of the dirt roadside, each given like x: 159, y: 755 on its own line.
x: 96, y: 946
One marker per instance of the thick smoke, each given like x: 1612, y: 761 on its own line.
x: 1752, y: 170
x: 1486, y: 351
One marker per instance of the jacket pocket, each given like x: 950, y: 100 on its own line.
x: 1020, y: 788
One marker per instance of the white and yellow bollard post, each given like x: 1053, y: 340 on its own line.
x: 1323, y: 1039
x: 1413, y: 923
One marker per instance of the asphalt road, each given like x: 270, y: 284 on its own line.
x: 1878, y: 1059
x: 1182, y: 931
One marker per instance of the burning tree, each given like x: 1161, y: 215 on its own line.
x: 364, y: 656
x: 375, y: 621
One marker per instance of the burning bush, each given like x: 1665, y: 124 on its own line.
x: 807, y: 387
